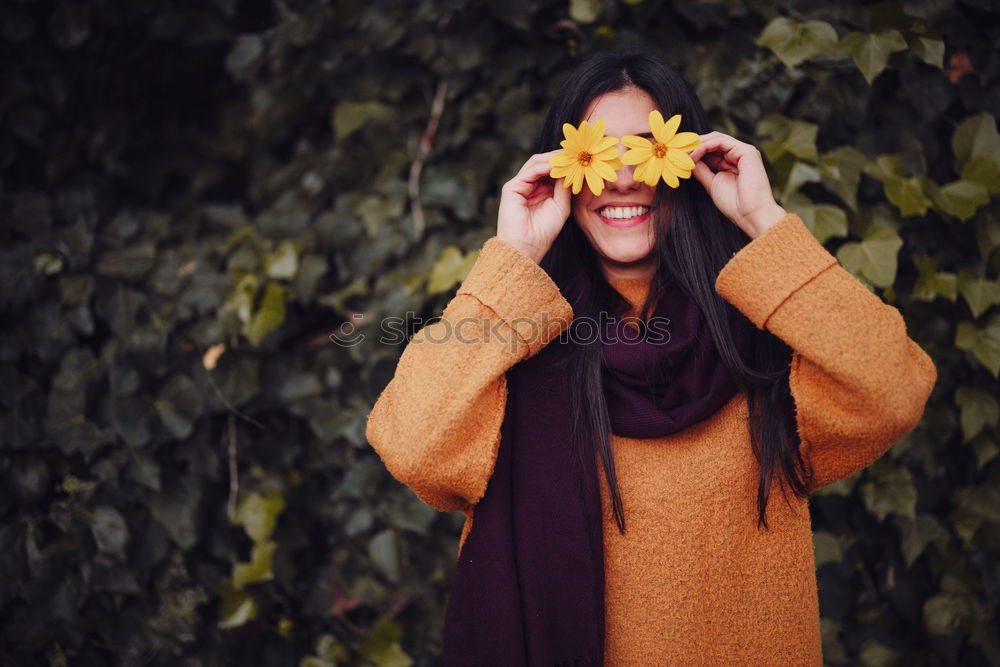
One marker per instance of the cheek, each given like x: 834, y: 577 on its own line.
x: 579, y: 211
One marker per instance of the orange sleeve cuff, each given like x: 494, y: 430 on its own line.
x: 772, y: 267
x: 517, y: 289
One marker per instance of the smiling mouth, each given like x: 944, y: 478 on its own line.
x: 623, y: 212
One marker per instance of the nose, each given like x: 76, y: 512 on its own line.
x: 626, y: 180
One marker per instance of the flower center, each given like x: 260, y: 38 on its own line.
x: 585, y: 158
x: 659, y: 150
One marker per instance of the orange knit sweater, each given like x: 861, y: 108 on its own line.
x: 692, y: 580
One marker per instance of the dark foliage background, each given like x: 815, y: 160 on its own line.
x: 197, y: 195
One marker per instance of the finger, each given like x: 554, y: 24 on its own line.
x: 704, y: 174
x: 717, y: 142
x: 535, y: 168
x: 717, y: 162
x: 561, y: 196
x: 539, y: 158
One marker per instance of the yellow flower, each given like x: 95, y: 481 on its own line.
x: 666, y: 156
x: 588, y: 155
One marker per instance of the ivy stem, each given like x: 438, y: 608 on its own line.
x: 437, y: 108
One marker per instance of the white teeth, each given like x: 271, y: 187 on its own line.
x: 623, y: 212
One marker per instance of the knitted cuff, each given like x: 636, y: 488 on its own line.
x: 765, y: 272
x: 517, y: 289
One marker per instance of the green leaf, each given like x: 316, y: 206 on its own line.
x: 976, y: 136
x: 908, y: 194
x: 876, y: 654
x: 241, y: 298
x: 983, y: 171
x: 269, y: 316
x: 987, y: 233
x: 884, y: 167
x: 383, y: 549
x: 985, y: 448
x: 871, y: 51
x: 110, y: 531
x: 782, y: 136
x: 930, y: 50
x: 259, y: 567
x: 916, y: 534
x: 833, y: 649
x: 827, y: 548
x: 382, y: 645
x: 131, y: 263
x: 978, y: 410
x: 244, y: 53
x: 800, y: 174
x: 179, y: 406
x: 983, y: 343
x: 889, y: 489
x: 951, y: 614
x: 258, y: 514
x: 236, y: 608
x: 960, y: 198
x: 794, y: 42
x: 584, y: 11
x: 823, y: 220
x: 450, y: 269
x: 979, y: 293
x: 840, y: 170
x: 338, y: 299
x: 931, y: 283
x: 351, y: 116
x: 283, y: 263
x: 873, y: 258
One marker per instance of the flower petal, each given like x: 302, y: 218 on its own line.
x: 640, y: 172
x: 651, y: 174
x: 670, y: 127
x: 577, y: 179
x: 682, y: 140
x: 560, y: 171
x: 604, y: 144
x: 615, y: 164
x: 563, y: 159
x: 656, y: 125
x: 583, y: 136
x: 609, y: 154
x: 569, y: 132
x: 571, y: 175
x: 668, y: 175
x: 636, y: 155
x: 633, y: 141
x: 596, y: 132
x: 680, y: 158
x: 594, y: 181
x: 604, y: 170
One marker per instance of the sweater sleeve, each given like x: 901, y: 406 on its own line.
x: 858, y: 381
x: 436, y: 425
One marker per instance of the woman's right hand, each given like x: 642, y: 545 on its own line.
x: 533, y: 208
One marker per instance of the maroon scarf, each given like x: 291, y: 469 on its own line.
x: 528, y: 588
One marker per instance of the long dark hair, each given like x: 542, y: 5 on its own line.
x: 693, y: 242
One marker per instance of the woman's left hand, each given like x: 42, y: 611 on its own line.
x: 738, y: 185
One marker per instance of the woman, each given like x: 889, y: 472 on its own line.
x: 618, y: 491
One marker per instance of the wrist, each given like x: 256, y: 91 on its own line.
x: 764, y: 218
x: 524, y: 248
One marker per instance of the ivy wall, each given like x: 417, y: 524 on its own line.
x: 200, y: 199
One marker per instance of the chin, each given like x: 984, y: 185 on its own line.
x: 625, y: 253
x: 621, y: 246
